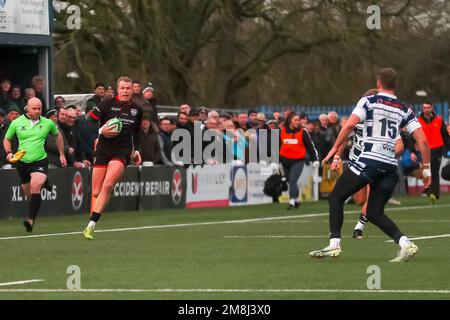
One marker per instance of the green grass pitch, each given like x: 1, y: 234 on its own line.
x: 256, y: 252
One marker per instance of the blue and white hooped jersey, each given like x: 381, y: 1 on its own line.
x: 383, y: 116
x: 357, y: 143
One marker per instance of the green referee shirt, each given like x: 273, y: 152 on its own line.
x: 31, y: 136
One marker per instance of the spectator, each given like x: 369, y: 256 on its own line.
x: 295, y: 146
x: 149, y: 105
x: 303, y: 119
x: 185, y: 108
x: 194, y: 115
x: 223, y: 116
x: 3, y: 129
x: 38, y: 84
x: 52, y: 114
x: 234, y: 118
x: 311, y: 127
x: 212, y: 123
x: 5, y: 87
x: 77, y: 158
x: 173, y: 123
x: 242, y: 121
x: 165, y: 141
x: 60, y: 103
x: 87, y: 131
x: 137, y: 88
x: 13, y: 113
x: 236, y: 146
x: 99, y: 96
x: 326, y: 137
x: 183, y: 122
x: 333, y: 123
x: 51, y: 146
x: 62, y: 116
x: 252, y: 114
x: 203, y: 114
x: 29, y: 93
x: 261, y: 121
x: 276, y: 115
x: 150, y: 148
x: 410, y: 159
x: 16, y: 97
x: 272, y: 124
x: 287, y: 112
x: 109, y: 93
x: 438, y: 138
x: 280, y: 123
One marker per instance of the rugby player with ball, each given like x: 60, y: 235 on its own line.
x: 120, y: 120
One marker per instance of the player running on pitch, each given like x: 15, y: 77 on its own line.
x: 383, y: 115
x: 32, y: 130
x: 114, y: 149
x: 355, y: 151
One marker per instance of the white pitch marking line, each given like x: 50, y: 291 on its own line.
x: 213, y: 223
x: 287, y: 237
x: 427, y: 237
x: 5, y: 284
x: 222, y: 291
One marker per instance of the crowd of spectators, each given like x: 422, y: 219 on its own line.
x: 156, y: 133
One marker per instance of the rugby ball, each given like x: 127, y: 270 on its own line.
x: 114, y: 123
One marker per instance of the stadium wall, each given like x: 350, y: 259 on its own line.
x: 160, y: 187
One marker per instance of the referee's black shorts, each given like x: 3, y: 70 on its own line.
x: 26, y: 169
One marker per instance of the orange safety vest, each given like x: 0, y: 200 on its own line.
x: 433, y: 131
x: 292, y: 146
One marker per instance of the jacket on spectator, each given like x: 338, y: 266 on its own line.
x: 93, y: 102
x: 165, y: 145
x: 326, y: 141
x: 87, y: 131
x: 51, y: 147
x: 73, y: 141
x: 150, y: 149
x: 435, y: 131
x: 40, y: 96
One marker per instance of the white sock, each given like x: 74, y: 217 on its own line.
x: 92, y: 224
x: 292, y: 202
x: 360, y: 226
x: 335, y: 242
x: 404, y: 242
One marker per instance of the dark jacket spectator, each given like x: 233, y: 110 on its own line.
x: 87, y: 131
x: 3, y: 129
x: 326, y: 137
x: 76, y: 154
x: 99, y: 95
x: 5, y: 87
x: 149, y: 102
x: 16, y: 98
x: 183, y: 122
x: 150, y: 149
x: 165, y: 142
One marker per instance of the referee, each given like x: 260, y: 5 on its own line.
x: 32, y: 130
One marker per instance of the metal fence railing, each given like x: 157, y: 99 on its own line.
x: 441, y: 108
